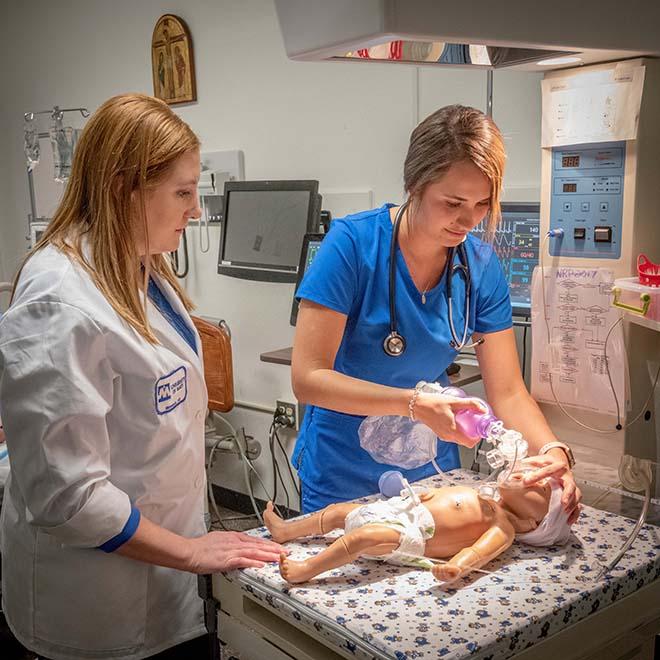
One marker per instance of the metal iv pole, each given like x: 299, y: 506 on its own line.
x: 56, y: 115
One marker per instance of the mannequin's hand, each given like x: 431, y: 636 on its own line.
x: 554, y: 465
x: 437, y: 412
x: 446, y: 572
x: 225, y: 551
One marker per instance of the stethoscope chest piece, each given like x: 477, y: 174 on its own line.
x: 394, y: 344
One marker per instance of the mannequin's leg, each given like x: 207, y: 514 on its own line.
x: 372, y: 539
x: 321, y: 522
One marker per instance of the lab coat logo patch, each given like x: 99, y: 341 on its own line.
x: 171, y: 390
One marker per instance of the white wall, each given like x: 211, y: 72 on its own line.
x: 345, y: 124
x: 517, y: 111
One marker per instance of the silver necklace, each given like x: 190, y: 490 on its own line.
x: 425, y: 290
x: 428, y: 284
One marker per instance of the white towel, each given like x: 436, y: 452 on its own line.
x: 554, y: 528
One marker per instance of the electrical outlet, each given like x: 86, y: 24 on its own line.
x: 287, y: 413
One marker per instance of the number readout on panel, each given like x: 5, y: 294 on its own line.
x: 570, y: 161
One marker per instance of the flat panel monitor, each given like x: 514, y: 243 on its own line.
x: 516, y: 243
x: 310, y: 246
x: 263, y: 226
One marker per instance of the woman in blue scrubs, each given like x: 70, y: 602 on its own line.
x: 453, y: 178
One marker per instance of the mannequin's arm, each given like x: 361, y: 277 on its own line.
x: 492, y: 543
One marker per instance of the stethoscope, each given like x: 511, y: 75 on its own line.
x: 395, y: 344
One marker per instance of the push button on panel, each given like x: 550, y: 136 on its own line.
x: 603, y: 234
x: 579, y: 233
x: 584, y: 206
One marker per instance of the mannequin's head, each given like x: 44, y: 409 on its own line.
x: 525, y: 500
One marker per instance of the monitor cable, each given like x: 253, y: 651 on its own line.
x: 175, y: 258
x: 524, y: 351
x: 238, y: 439
x: 280, y: 422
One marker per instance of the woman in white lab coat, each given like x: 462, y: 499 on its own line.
x: 103, y: 402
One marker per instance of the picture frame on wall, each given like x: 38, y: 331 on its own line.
x: 172, y: 62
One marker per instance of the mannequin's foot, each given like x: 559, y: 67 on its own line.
x: 294, y: 572
x: 276, y: 526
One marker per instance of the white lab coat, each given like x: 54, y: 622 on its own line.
x: 96, y: 419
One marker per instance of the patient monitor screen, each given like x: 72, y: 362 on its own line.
x: 310, y: 247
x: 266, y: 228
x: 517, y: 245
x: 310, y: 253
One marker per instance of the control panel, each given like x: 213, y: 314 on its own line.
x: 587, y: 200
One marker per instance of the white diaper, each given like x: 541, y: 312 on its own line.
x: 414, y: 522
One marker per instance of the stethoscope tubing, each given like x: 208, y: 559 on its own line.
x: 392, y: 272
x: 394, y: 344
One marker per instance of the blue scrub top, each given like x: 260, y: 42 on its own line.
x: 350, y: 275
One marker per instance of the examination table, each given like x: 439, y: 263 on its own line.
x: 538, y: 602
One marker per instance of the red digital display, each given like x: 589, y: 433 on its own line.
x: 569, y: 187
x: 570, y: 161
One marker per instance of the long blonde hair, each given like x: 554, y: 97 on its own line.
x: 447, y: 136
x: 127, y: 147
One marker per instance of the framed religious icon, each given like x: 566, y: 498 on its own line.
x: 172, y: 61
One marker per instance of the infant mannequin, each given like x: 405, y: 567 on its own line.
x: 454, y: 523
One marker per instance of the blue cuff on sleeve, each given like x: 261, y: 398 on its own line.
x: 125, y: 534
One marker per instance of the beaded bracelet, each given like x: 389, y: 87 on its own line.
x: 413, y: 399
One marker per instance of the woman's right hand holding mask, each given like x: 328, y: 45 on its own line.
x: 438, y: 412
